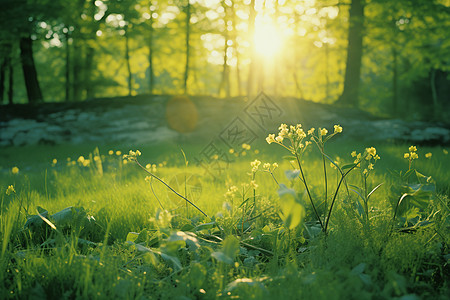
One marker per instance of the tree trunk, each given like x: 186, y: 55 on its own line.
x: 88, y: 67
x: 77, y: 70
x: 354, y: 54
x: 225, y: 82
x: 127, y: 59
x: 251, y: 32
x: 29, y: 70
x: 10, y: 82
x: 235, y: 45
x: 394, y: 82
x: 3, y: 68
x: 188, y: 31
x: 67, y: 71
x: 151, y: 83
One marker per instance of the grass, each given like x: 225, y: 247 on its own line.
x: 136, y: 250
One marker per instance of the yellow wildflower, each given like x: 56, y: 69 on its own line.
x: 54, y: 161
x: 253, y: 185
x: 353, y: 153
x: 428, y: 155
x: 256, y: 151
x: 372, y: 151
x: 80, y: 159
x: 414, y: 155
x: 279, y: 139
x: 231, y: 151
x: 323, y: 131
x: 406, y: 155
x: 270, y: 138
x: 412, y: 149
x: 275, y: 165
x: 15, y: 170
x: 110, y: 152
x: 370, y: 167
x: 118, y: 153
x: 337, y: 129
x: 10, y: 190
x: 266, y: 166
x: 215, y: 157
x: 311, y: 131
x: 246, y: 146
x: 445, y: 151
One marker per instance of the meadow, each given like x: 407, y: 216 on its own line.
x: 87, y: 222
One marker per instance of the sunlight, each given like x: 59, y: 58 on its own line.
x: 268, y: 38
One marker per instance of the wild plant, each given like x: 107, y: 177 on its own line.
x: 293, y: 139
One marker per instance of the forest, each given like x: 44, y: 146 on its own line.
x: 386, y: 57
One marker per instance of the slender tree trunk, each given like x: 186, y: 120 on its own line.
x: 67, y: 71
x: 394, y: 82
x: 235, y: 45
x: 77, y: 70
x: 29, y: 70
x: 354, y: 54
x: 127, y: 59
x: 10, y: 82
x: 3, y: 68
x: 151, y: 83
x: 225, y: 82
x: 251, y: 33
x: 88, y: 67
x: 188, y: 31
x: 434, y: 96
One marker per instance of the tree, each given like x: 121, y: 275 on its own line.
x: 354, y: 54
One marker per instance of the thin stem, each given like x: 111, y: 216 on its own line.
x: 154, y: 194
x: 326, y: 183
x: 335, y: 195
x: 307, y: 190
x: 170, y: 188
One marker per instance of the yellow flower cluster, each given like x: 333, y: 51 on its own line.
x: 428, y: 155
x: 370, y: 156
x: 10, y: 190
x: 15, y: 170
x: 83, y: 162
x: 152, y: 167
x: 231, y: 191
x: 132, y: 155
x: 255, y: 165
x: 268, y: 167
x: 246, y: 146
x: 411, y: 155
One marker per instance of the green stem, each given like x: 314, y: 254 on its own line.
x: 326, y: 183
x: 335, y: 195
x: 170, y: 188
x: 307, y: 191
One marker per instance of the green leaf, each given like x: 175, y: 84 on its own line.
x: 292, y: 174
x: 347, y: 166
x: 189, y: 238
x: 289, y: 157
x: 229, y: 251
x: 132, y: 237
x: 292, y: 211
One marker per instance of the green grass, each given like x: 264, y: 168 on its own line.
x: 264, y: 260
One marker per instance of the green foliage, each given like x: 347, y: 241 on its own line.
x: 135, y: 249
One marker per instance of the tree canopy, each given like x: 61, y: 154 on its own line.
x: 379, y: 55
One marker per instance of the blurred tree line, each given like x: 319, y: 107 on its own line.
x: 389, y: 57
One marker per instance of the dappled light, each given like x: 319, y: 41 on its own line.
x: 224, y: 149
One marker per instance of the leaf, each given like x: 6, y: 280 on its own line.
x: 229, y: 251
x: 292, y: 211
x: 131, y: 237
x: 289, y: 157
x: 292, y: 174
x: 347, y: 166
x: 189, y: 238
x: 231, y: 246
x: 373, y: 190
x: 204, y: 226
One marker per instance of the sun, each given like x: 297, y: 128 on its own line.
x: 268, y: 38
